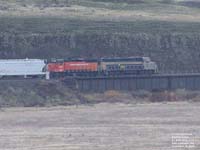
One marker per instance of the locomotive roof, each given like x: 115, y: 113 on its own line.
x: 115, y: 59
x: 21, y: 60
x: 138, y: 59
x: 54, y: 60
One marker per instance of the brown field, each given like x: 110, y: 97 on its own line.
x: 99, y: 127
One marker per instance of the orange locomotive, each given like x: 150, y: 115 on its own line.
x: 72, y: 67
x: 55, y: 67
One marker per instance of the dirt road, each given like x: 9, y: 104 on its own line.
x: 100, y: 127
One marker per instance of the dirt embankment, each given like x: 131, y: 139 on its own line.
x: 53, y: 93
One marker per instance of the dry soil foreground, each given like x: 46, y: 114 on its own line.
x: 99, y: 127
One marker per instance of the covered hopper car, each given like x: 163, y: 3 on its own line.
x: 22, y: 68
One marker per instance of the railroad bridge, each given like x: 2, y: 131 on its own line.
x: 158, y: 82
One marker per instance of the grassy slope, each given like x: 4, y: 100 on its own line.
x: 61, y: 25
x: 59, y: 16
x: 31, y: 93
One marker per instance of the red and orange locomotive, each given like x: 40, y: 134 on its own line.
x: 102, y: 66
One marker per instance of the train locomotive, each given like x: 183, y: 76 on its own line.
x: 101, y: 67
x: 72, y: 67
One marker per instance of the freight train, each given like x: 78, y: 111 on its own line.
x: 77, y: 67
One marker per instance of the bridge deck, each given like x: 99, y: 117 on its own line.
x: 145, y: 82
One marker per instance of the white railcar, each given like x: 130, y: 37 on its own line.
x: 22, y: 67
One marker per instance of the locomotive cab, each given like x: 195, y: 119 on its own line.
x: 150, y: 66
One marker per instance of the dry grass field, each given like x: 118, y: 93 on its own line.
x: 99, y: 127
x: 102, y: 10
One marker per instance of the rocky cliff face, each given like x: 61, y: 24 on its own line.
x: 172, y: 51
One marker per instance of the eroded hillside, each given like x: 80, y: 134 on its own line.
x: 165, y: 30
